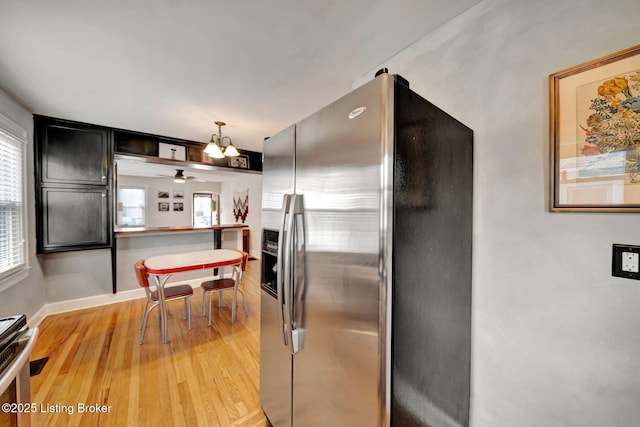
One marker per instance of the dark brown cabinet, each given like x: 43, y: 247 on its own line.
x: 74, y: 217
x: 73, y: 185
x: 78, y: 155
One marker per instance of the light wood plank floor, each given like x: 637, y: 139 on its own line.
x: 208, y: 376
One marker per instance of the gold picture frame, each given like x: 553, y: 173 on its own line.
x: 595, y: 135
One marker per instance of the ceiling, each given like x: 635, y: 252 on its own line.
x: 173, y: 67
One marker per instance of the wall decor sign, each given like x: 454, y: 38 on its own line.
x: 595, y: 135
x: 163, y: 207
x: 178, y: 206
x: 241, y: 205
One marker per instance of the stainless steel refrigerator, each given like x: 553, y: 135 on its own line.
x: 366, y: 264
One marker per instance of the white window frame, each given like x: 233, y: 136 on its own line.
x: 20, y: 271
x: 146, y: 203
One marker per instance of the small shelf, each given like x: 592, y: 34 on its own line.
x: 139, y: 144
x: 183, y: 164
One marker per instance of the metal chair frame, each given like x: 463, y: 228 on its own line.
x: 223, y: 284
x: 170, y: 293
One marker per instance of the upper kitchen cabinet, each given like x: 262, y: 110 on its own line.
x: 72, y: 153
x: 73, y: 185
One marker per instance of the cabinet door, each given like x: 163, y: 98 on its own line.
x: 74, y: 153
x: 74, y: 218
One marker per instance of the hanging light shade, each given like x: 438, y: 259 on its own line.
x: 230, y: 150
x: 216, y: 148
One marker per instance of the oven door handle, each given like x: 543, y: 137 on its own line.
x: 23, y: 357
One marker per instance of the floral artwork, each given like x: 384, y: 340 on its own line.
x: 595, y: 135
x: 614, y: 122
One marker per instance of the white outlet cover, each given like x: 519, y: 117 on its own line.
x: 630, y: 262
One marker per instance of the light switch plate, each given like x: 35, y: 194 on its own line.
x: 626, y: 261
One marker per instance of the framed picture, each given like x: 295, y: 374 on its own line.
x: 241, y: 161
x: 163, y: 207
x: 205, y: 158
x: 172, y: 151
x: 178, y: 194
x: 178, y: 206
x: 163, y: 194
x: 595, y: 135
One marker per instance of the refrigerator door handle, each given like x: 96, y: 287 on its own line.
x: 288, y: 282
x: 294, y: 336
x: 282, y: 266
x: 297, y: 298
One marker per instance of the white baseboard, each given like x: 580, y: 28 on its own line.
x: 92, y: 301
x: 81, y: 303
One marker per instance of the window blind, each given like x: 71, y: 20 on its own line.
x: 131, y: 202
x: 12, y: 234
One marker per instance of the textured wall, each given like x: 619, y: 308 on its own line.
x: 26, y: 296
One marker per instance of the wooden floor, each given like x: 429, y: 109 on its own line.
x: 208, y: 376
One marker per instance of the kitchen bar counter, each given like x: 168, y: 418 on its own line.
x: 121, y: 232
x: 135, y: 243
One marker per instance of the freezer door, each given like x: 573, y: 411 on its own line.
x: 275, y: 365
x: 275, y: 359
x: 277, y: 175
x: 337, y: 376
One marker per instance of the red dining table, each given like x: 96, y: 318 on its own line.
x: 162, y: 267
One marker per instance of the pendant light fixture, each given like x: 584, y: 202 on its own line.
x: 216, y: 148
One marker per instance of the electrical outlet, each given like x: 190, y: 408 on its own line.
x: 626, y: 261
x: 630, y: 262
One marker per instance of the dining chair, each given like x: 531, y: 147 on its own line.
x: 223, y: 284
x: 170, y: 293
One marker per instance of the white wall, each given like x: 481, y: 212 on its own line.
x: 253, y: 183
x: 155, y: 218
x: 26, y: 296
x: 556, y: 339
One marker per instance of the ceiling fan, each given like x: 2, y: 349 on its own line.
x: 180, y: 178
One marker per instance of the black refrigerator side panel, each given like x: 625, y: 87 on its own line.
x: 431, y: 308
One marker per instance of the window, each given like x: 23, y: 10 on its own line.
x: 13, y: 235
x: 131, y: 206
x: 205, y: 209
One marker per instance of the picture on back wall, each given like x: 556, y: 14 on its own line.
x: 595, y: 135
